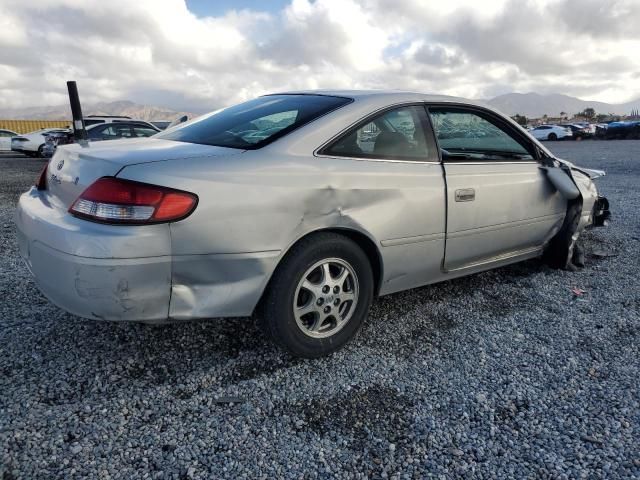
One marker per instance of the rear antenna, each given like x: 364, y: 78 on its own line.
x: 79, y: 132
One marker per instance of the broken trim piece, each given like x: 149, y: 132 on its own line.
x: 563, y: 182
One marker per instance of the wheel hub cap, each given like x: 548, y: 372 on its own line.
x: 325, y: 298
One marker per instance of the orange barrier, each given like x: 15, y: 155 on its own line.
x: 26, y: 126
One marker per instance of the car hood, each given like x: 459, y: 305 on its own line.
x: 143, y: 150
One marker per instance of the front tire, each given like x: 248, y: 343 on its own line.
x: 319, y: 296
x: 552, y: 136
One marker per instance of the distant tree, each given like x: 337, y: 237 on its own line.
x: 520, y: 119
x: 601, y: 117
x: 563, y: 114
x: 588, y: 113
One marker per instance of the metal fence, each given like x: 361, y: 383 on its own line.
x: 26, y: 126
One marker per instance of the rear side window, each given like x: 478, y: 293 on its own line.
x: 255, y: 123
x: 394, y: 134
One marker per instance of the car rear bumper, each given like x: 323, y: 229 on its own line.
x: 80, y: 267
x: 128, y: 273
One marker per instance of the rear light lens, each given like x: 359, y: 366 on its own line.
x: 41, y: 184
x: 114, y: 200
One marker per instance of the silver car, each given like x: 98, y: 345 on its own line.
x: 301, y: 206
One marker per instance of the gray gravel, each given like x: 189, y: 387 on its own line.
x: 504, y: 374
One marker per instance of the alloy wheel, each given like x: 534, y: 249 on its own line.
x: 325, y: 298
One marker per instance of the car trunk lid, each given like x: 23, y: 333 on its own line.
x: 74, y: 167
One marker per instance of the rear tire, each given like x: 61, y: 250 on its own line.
x: 319, y: 296
x: 40, y: 153
x: 552, y: 136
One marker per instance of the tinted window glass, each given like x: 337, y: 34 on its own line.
x: 143, y: 131
x: 464, y: 132
x: 92, y: 122
x: 254, y: 123
x: 110, y: 132
x: 397, y: 134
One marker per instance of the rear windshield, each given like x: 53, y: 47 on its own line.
x: 255, y: 123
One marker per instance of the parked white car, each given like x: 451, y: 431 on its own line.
x: 32, y: 144
x: 5, y: 139
x: 551, y: 132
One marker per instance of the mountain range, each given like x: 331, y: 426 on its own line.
x: 532, y: 105
x: 123, y: 107
x: 535, y: 105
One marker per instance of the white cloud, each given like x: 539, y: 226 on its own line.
x: 159, y: 52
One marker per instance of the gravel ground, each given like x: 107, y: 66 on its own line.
x: 503, y: 374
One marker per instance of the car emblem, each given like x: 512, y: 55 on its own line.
x: 60, y: 164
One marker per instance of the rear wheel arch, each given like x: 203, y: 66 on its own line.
x: 283, y: 320
x: 363, y: 241
x: 370, y: 249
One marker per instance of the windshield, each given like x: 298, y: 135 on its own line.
x: 255, y: 123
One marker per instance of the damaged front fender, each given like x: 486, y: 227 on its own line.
x: 584, y: 208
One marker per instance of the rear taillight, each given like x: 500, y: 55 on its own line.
x: 113, y: 200
x: 41, y: 184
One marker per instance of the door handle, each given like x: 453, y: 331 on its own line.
x: 465, y: 195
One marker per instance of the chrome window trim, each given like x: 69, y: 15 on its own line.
x: 387, y: 160
x: 494, y: 162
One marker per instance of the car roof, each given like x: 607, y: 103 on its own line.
x: 106, y: 116
x: 392, y: 96
x: 138, y: 123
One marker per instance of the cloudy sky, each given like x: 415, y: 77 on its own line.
x: 199, y: 55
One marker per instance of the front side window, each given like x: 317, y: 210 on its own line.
x: 469, y: 134
x: 255, y: 123
x: 395, y: 134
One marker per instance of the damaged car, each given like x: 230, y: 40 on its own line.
x: 301, y: 207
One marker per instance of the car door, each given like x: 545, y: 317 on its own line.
x: 500, y: 204
x: 390, y: 158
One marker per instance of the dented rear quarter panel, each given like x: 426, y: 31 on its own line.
x: 255, y: 206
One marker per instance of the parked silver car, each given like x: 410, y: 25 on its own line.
x: 304, y: 206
